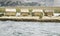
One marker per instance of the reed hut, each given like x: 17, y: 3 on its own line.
x: 37, y: 12
x: 25, y: 12
x: 49, y: 12
x: 10, y: 12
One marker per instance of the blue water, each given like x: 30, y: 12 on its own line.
x: 17, y: 28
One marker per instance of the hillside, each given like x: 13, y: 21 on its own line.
x: 26, y: 3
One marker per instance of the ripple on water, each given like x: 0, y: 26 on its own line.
x: 14, y: 28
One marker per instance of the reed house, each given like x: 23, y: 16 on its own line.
x: 37, y: 12
x: 49, y: 12
x: 10, y: 12
x: 25, y: 12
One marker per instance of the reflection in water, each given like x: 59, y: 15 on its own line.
x: 14, y: 28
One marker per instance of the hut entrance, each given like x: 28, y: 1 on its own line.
x: 25, y: 14
x: 48, y: 13
x: 37, y: 14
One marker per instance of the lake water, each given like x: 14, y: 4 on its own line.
x: 18, y: 28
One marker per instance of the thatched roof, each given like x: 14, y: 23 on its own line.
x: 24, y: 10
x: 10, y: 10
x: 37, y: 10
x: 49, y: 10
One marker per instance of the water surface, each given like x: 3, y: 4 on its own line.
x: 18, y: 28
